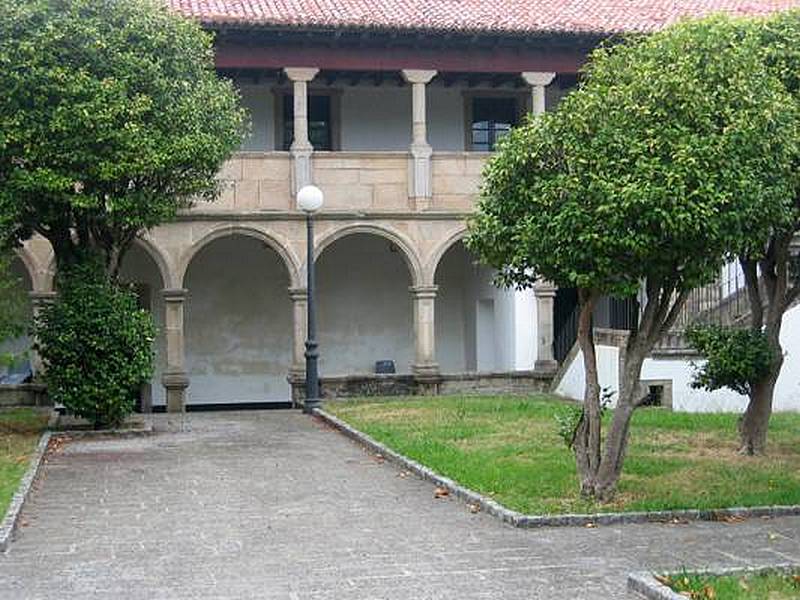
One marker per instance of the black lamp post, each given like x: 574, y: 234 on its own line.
x: 309, y: 200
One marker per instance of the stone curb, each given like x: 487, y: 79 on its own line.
x: 651, y: 588
x: 11, y: 519
x: 521, y: 520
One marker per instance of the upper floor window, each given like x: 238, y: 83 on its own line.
x: 320, y: 127
x: 492, y: 118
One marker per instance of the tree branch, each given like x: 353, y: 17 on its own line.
x: 750, y: 270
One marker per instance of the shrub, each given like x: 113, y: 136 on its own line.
x: 96, y: 345
x: 735, y: 358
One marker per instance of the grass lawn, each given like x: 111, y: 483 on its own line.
x: 508, y: 448
x: 765, y: 586
x: 20, y: 429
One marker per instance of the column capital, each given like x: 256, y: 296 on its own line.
x: 543, y: 289
x: 301, y: 73
x: 423, y: 291
x: 538, y: 78
x: 298, y: 294
x: 418, y: 75
x: 174, y: 294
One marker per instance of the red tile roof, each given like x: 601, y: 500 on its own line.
x: 490, y: 16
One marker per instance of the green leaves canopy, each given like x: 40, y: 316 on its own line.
x: 675, y: 150
x: 111, y: 118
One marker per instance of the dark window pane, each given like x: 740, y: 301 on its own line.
x: 492, y: 118
x: 319, y: 122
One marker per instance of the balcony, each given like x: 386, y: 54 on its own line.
x: 352, y: 181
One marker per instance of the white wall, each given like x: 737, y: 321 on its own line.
x: 680, y: 371
x: 259, y: 101
x: 445, y: 107
x: 477, y: 324
x: 573, y: 381
x: 364, y: 306
x: 685, y: 398
x: 238, y: 324
x: 376, y: 118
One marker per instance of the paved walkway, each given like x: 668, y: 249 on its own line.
x: 274, y: 505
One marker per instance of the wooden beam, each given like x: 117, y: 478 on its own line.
x: 463, y: 60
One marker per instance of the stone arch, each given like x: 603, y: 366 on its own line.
x: 238, y: 318
x: 280, y: 247
x: 31, y: 266
x: 438, y: 253
x: 159, y: 258
x: 405, y: 245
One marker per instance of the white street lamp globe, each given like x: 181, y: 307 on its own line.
x: 310, y: 199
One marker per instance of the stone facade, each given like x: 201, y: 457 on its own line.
x: 416, y: 201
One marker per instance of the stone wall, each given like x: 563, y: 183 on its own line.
x: 518, y: 383
x: 25, y: 394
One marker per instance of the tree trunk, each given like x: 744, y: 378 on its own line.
x: 618, y: 434
x: 587, y: 437
x: 768, y: 303
x: 755, y: 422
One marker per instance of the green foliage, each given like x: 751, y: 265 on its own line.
x: 13, y: 308
x: 767, y: 585
x: 569, y: 417
x: 111, y: 119
x: 676, y: 150
x: 735, y: 358
x: 96, y: 346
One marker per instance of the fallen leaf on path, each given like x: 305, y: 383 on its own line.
x: 441, y: 492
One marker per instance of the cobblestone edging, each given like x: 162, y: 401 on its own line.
x: 651, y: 588
x: 517, y: 519
x: 11, y: 519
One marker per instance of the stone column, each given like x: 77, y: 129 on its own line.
x: 297, y: 372
x: 301, y: 149
x: 425, y: 367
x: 545, y: 293
x: 38, y: 301
x: 419, y: 166
x: 175, y: 378
x: 538, y: 81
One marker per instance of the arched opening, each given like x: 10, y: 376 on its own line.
x: 364, y: 306
x: 475, y: 320
x: 17, y: 348
x: 238, y: 323
x: 140, y: 270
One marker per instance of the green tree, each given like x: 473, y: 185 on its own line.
x: 96, y: 345
x: 111, y: 119
x: 772, y: 287
x: 676, y: 148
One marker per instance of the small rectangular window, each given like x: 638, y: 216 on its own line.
x: 320, y: 129
x: 492, y: 118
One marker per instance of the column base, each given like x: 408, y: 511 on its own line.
x: 421, y: 203
x: 545, y: 366
x: 176, y: 384
x: 427, y: 379
x: 297, y: 382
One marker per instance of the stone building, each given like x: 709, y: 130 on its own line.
x: 392, y: 109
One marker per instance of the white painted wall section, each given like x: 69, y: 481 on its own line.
x: 574, y: 379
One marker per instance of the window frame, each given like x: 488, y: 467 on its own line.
x: 335, y: 95
x: 521, y: 99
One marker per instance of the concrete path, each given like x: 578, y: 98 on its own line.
x: 274, y: 505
